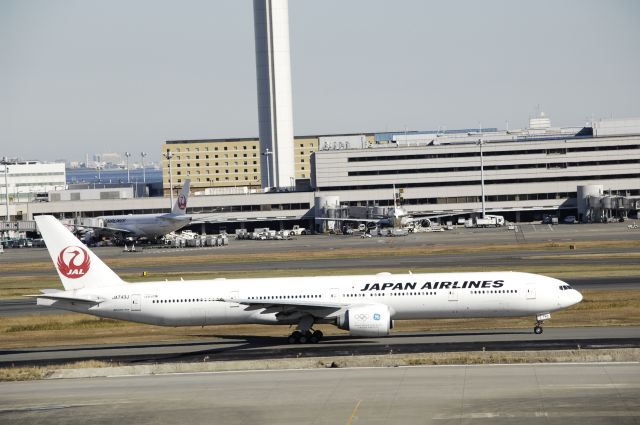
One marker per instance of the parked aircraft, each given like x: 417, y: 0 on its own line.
x: 364, y: 305
x: 149, y: 226
x: 396, y: 217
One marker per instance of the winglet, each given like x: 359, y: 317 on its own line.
x: 180, y: 207
x: 77, y: 266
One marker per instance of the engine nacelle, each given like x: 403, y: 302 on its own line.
x: 366, y: 320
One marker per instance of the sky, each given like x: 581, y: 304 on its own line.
x: 80, y: 77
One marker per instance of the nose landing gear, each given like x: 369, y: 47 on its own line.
x: 537, y: 329
x: 540, y: 318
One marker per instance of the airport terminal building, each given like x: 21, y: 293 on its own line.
x: 526, y: 173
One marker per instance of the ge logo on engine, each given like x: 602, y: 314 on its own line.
x: 376, y: 316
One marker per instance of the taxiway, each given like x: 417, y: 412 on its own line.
x: 565, y: 394
x: 260, y: 347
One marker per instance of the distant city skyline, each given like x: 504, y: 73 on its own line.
x: 84, y: 77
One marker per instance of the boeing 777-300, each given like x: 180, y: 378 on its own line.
x: 365, y: 305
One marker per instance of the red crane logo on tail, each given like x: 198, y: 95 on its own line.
x: 182, y: 202
x: 74, y: 262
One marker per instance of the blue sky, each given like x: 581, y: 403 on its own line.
x: 92, y: 76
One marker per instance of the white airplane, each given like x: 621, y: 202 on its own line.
x: 396, y: 217
x: 150, y: 226
x: 363, y: 305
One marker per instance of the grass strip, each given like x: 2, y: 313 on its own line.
x: 54, y: 325
x: 101, y: 369
x: 31, y: 373
x: 309, y: 253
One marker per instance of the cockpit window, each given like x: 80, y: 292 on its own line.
x: 565, y: 287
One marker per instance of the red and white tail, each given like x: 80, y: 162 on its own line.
x: 180, y: 206
x: 77, y: 266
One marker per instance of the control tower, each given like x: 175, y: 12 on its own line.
x: 273, y: 72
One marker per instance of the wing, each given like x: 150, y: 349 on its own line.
x: 106, y: 228
x: 174, y: 218
x: 315, y: 308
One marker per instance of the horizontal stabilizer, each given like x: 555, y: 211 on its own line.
x: 63, y: 296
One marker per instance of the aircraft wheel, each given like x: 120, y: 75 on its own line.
x: 305, y: 337
x: 315, y: 337
x: 537, y: 330
x: 294, y: 338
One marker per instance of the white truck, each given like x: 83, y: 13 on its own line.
x: 297, y: 230
x: 489, y: 221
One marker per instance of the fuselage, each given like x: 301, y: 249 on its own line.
x: 147, y: 225
x: 408, y: 296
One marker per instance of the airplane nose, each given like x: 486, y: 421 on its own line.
x: 578, y: 297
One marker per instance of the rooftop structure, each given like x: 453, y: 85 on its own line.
x: 21, y: 181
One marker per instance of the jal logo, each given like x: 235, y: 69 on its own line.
x: 73, y: 262
x: 182, y: 202
x: 376, y: 316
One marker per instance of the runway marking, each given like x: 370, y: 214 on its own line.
x: 35, y: 408
x: 591, y: 386
x: 354, y: 412
x: 47, y: 407
x: 539, y: 414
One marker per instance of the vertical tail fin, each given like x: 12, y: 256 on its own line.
x: 180, y: 207
x: 77, y: 266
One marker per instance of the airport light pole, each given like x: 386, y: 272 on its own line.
x: 98, y: 168
x: 127, y: 155
x: 480, y: 142
x: 144, y: 174
x: 6, y: 188
x: 268, y: 153
x: 169, y: 155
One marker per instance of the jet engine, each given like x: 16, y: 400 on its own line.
x: 366, y: 320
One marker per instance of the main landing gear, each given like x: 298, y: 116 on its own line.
x: 540, y: 318
x: 298, y: 337
x: 304, y: 334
